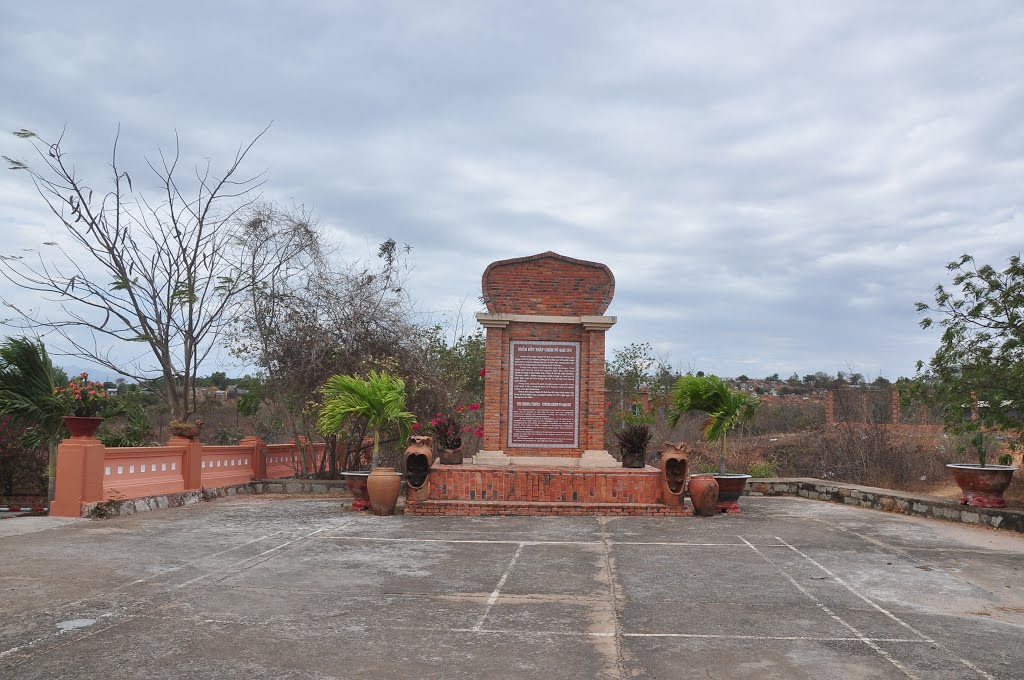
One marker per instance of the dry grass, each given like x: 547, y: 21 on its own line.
x: 905, y: 458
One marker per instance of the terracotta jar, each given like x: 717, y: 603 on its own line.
x: 419, y: 456
x: 674, y: 465
x: 451, y: 456
x: 704, y: 495
x: 382, y: 486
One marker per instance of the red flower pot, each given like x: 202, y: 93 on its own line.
x: 982, y: 487
x: 730, y: 488
x: 82, y: 427
x: 356, y: 483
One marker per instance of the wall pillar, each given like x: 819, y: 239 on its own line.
x: 191, y: 462
x: 79, y: 476
x: 494, y: 376
x: 259, y: 456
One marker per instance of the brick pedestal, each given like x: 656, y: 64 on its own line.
x: 475, y: 490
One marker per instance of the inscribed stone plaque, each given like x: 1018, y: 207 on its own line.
x: 544, y: 390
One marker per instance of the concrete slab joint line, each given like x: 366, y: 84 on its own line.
x: 497, y: 589
x: 890, y: 615
x: 824, y: 608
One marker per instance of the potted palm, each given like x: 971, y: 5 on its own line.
x: 725, y: 409
x: 379, y: 399
x: 29, y: 386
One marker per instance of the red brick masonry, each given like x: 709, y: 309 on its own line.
x: 465, y: 490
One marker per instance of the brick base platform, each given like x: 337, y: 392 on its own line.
x: 521, y: 508
x: 479, y: 490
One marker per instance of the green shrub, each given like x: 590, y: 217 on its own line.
x: 763, y: 469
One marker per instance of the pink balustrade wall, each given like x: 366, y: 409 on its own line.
x: 143, y: 471
x: 88, y: 472
x: 227, y: 465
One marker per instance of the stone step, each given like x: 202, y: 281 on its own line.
x: 534, y: 508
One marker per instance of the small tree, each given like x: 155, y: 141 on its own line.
x: 725, y: 408
x: 379, y: 400
x: 979, y: 365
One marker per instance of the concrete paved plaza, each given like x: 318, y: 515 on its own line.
x: 255, y: 587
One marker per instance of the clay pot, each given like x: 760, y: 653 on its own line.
x: 704, y: 495
x: 730, y: 488
x: 982, y: 487
x: 356, y: 483
x: 419, y: 456
x: 451, y: 456
x: 82, y: 427
x: 674, y: 465
x: 382, y: 486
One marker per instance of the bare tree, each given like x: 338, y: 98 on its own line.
x: 310, y: 313
x: 159, y: 271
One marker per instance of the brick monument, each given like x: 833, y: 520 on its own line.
x: 544, y: 384
x: 544, y: 409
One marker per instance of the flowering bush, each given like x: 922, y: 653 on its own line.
x: 83, y: 397
x: 448, y: 430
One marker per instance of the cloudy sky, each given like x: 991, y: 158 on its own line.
x: 772, y: 184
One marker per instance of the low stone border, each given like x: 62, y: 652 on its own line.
x: 114, y: 508
x: 902, y: 502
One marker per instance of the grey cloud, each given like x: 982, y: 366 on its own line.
x: 772, y: 184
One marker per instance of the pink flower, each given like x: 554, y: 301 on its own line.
x: 415, y: 427
x: 474, y: 407
x: 483, y: 371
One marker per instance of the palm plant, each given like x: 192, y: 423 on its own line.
x: 725, y: 408
x: 28, y: 393
x: 379, y: 399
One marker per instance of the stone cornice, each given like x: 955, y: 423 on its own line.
x: 590, y: 323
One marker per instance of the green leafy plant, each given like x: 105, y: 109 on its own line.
x: 379, y: 399
x: 1005, y: 459
x: 763, y: 469
x: 725, y: 408
x: 134, y: 430
x: 979, y: 364
x: 28, y: 393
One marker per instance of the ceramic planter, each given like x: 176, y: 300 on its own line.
x: 356, y: 483
x: 419, y: 456
x: 187, y: 430
x: 674, y: 465
x: 634, y: 459
x: 451, y: 456
x: 730, y: 488
x: 82, y: 427
x: 382, y: 486
x: 704, y: 495
x: 982, y: 487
